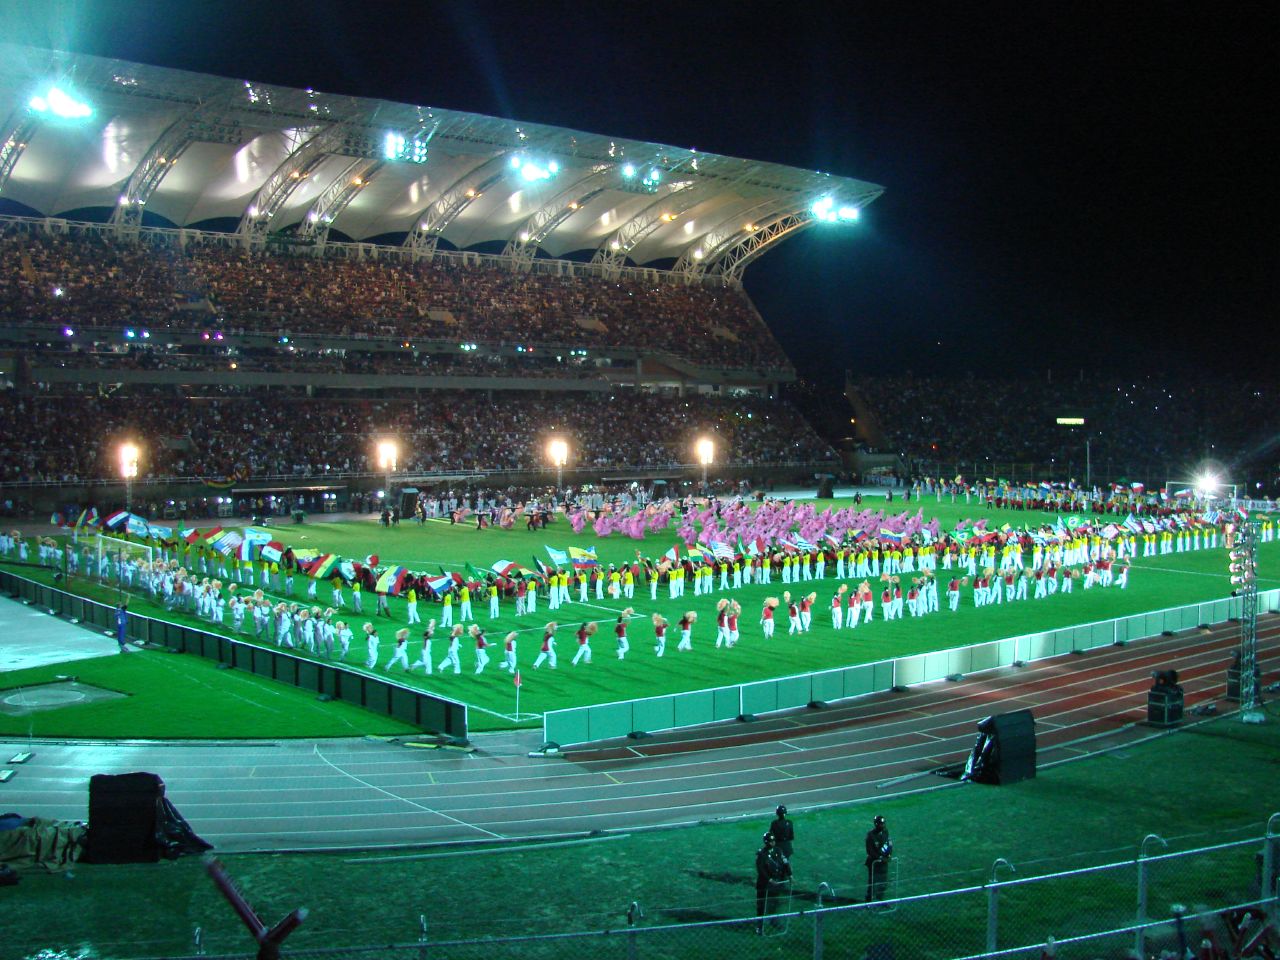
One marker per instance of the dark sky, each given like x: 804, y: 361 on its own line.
x: 1066, y: 183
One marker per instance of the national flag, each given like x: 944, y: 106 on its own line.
x: 347, y: 569
x: 803, y: 544
x: 190, y: 535
x: 473, y: 573
x: 1110, y: 531
x: 583, y: 559
x: 558, y: 557
x: 1006, y: 529
x: 696, y: 553
x: 1132, y: 524
x: 1137, y: 487
x: 137, y: 525
x: 672, y: 555
x: 57, y: 520
x: 322, y: 566
x: 1046, y: 486
x: 505, y: 568
x: 516, y: 679
x: 212, y: 534
x: 272, y: 551
x: 440, y: 585
x: 160, y: 533
x: 1149, y: 527
x: 227, y: 542
x: 115, y: 519
x: 304, y: 555
x: 541, y: 567
x: 1038, y: 538
x: 893, y: 536
x: 1183, y: 493
x: 722, y: 551
x: 87, y: 518
x: 1213, y: 516
x: 392, y: 580
x: 1075, y: 522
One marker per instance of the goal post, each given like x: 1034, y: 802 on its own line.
x: 121, y: 563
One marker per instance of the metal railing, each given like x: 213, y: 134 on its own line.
x: 1233, y: 886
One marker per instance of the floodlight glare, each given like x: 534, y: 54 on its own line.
x: 515, y: 163
x: 847, y: 213
x: 61, y: 104
x: 824, y: 210
x: 1206, y: 483
x: 128, y: 460
x: 558, y: 453
x: 628, y: 170
x: 706, y: 451
x: 388, y: 453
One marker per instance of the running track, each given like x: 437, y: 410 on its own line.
x: 368, y: 793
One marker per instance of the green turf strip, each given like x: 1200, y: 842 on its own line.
x: 1216, y: 782
x: 1155, y: 583
x: 180, y: 696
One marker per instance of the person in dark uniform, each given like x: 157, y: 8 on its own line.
x: 772, y: 870
x: 879, y: 850
x: 784, y: 833
x: 122, y: 626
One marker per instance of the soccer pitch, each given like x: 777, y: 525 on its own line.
x: 1155, y: 583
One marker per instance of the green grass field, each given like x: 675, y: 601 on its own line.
x: 185, y: 697
x: 1154, y: 584
x: 1218, y: 781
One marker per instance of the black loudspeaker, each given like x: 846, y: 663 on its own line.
x: 1165, y: 699
x: 1005, y: 751
x: 124, y: 812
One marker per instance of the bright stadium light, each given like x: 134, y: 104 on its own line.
x: 706, y: 450
x: 558, y: 454
x: 1207, y: 484
x: 57, y: 102
x: 824, y: 210
x: 628, y: 170
x: 128, y: 460
x: 388, y: 454
x: 847, y: 213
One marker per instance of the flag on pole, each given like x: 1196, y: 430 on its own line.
x: 322, y: 566
x: 505, y: 568
x: 673, y: 555
x: 440, y: 585
x: 558, y: 557
x: 583, y: 559
x: 391, y: 580
x: 272, y: 551
x: 517, y: 679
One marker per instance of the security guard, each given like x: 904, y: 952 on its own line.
x: 784, y: 832
x: 772, y: 871
x: 879, y: 850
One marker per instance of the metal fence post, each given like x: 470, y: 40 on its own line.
x: 1140, y: 935
x: 1270, y: 864
x: 823, y: 888
x: 634, y: 913
x: 198, y: 938
x: 993, y: 904
x: 422, y: 935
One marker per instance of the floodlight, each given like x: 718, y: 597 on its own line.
x: 515, y: 163
x: 706, y: 450
x: 388, y: 453
x: 1206, y: 484
x: 128, y: 460
x: 847, y: 213
x: 628, y: 170
x: 558, y: 452
x: 824, y: 210
x: 61, y: 104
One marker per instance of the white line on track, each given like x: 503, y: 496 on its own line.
x: 415, y: 803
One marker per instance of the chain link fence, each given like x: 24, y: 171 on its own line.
x: 1226, y: 894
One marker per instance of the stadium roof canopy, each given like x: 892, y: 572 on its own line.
x: 84, y: 134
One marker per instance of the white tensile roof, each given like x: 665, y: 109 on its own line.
x: 194, y: 149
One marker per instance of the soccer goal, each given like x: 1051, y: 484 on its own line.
x: 122, y: 564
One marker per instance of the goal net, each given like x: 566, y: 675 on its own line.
x: 120, y: 563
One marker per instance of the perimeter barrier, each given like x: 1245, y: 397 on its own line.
x: 423, y: 710
x: 609, y: 721
x: 1154, y: 903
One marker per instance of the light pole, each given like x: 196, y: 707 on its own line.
x: 558, y: 454
x: 128, y: 470
x: 388, y: 455
x: 706, y: 450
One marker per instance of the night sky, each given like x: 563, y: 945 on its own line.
x: 1067, y: 184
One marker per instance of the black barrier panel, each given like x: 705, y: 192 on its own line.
x: 308, y: 675
x: 262, y: 662
x: 348, y: 687
x: 329, y: 682
x: 173, y: 635
x: 287, y: 669
x: 404, y: 705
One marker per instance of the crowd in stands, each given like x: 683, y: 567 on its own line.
x: 69, y: 354
x: 74, y: 436
x: 92, y: 280
x: 1175, y: 419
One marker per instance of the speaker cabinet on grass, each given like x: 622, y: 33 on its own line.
x: 1005, y: 751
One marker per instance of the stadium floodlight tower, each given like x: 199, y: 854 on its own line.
x: 558, y: 454
x: 706, y: 450
x: 388, y: 457
x: 1243, y: 545
x: 128, y: 471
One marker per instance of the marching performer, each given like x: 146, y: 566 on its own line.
x: 547, y: 653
